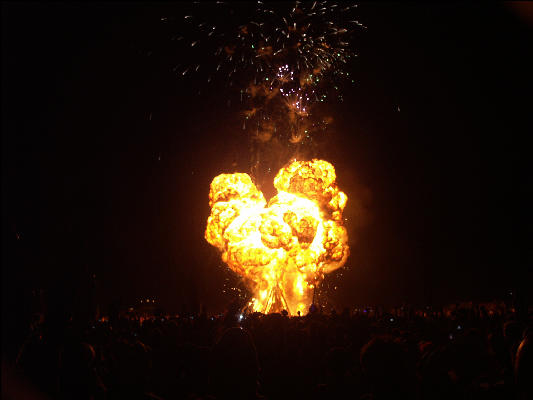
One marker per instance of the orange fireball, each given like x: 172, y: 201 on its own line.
x: 282, y: 249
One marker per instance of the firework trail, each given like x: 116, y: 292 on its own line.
x: 282, y: 59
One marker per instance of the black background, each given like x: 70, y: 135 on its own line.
x: 107, y: 156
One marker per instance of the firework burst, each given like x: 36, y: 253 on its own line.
x: 283, y: 59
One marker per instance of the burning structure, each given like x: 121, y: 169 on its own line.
x: 284, y: 247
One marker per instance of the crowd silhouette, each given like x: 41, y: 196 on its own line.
x: 467, y: 351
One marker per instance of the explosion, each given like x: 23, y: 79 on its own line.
x: 282, y: 249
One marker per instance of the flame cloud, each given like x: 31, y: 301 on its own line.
x: 282, y: 249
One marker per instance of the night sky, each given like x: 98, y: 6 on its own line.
x: 107, y: 156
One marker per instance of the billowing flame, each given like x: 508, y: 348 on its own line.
x: 282, y: 249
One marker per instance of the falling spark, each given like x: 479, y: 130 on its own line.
x: 286, y: 57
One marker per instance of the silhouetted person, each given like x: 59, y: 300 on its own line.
x: 436, y: 373
x: 78, y: 377
x: 386, y: 368
x: 523, y: 367
x: 234, y: 368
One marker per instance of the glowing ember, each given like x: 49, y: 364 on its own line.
x: 284, y: 249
